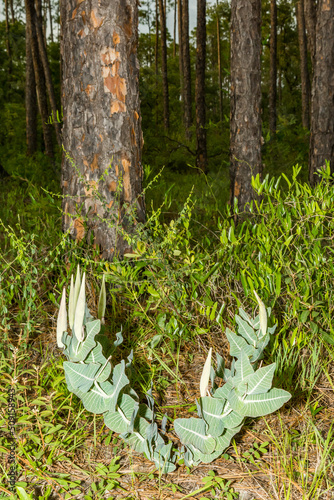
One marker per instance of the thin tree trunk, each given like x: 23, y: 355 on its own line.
x: 157, y: 117
x: 12, y: 12
x: 186, y: 68
x: 30, y: 99
x: 322, y: 106
x: 101, y: 132
x: 8, y: 45
x: 245, y: 131
x: 305, y: 78
x: 310, y: 14
x: 174, y: 31
x: 47, y: 73
x: 201, y: 151
x: 220, y: 82
x: 180, y: 37
x: 273, y: 68
x: 40, y: 79
x: 164, y: 64
x: 50, y: 19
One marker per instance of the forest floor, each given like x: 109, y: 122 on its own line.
x: 285, y: 455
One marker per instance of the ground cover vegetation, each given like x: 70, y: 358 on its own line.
x: 191, y: 269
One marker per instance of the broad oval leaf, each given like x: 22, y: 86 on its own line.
x: 246, y: 331
x: 79, y: 375
x: 193, y: 431
x: 119, y: 420
x: 258, y: 405
x: 260, y: 381
x: 243, y: 368
x: 212, y: 413
x: 238, y: 344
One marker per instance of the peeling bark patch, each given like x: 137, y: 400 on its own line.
x: 74, y: 13
x: 97, y: 22
x: 116, y: 86
x: 126, y: 180
x: 110, y: 204
x: 93, y: 187
x: 236, y: 189
x: 136, y: 115
x: 115, y: 38
x: 89, y: 88
x: 112, y: 186
x: 109, y: 56
x: 95, y: 164
x: 116, y: 170
x: 326, y: 6
x: 79, y: 230
x: 133, y: 137
x: 117, y: 107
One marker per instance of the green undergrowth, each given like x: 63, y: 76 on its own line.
x: 178, y: 291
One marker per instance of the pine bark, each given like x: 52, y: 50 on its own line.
x: 245, y: 128
x: 8, y: 44
x: 186, y: 68
x: 101, y: 169
x: 156, y: 62
x: 40, y: 79
x: 322, y: 106
x: 30, y: 99
x: 164, y: 64
x: 180, y: 37
x: 50, y: 20
x: 174, y: 28
x: 12, y: 13
x: 304, y: 73
x: 220, y: 80
x: 310, y: 13
x: 273, y: 68
x: 201, y: 150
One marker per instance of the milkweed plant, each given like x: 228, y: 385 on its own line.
x: 244, y: 391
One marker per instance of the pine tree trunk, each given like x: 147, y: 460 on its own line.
x: 186, y: 68
x: 30, y: 99
x: 164, y: 64
x: 40, y: 79
x: 157, y: 116
x: 179, y: 20
x: 12, y: 13
x: 305, y: 78
x: 322, y: 106
x: 8, y: 45
x: 245, y: 134
x: 201, y: 151
x: 220, y: 82
x: 174, y: 28
x: 310, y: 15
x: 50, y: 18
x: 273, y: 68
x: 47, y: 72
x: 101, y: 169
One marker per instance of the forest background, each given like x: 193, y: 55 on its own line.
x: 191, y: 269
